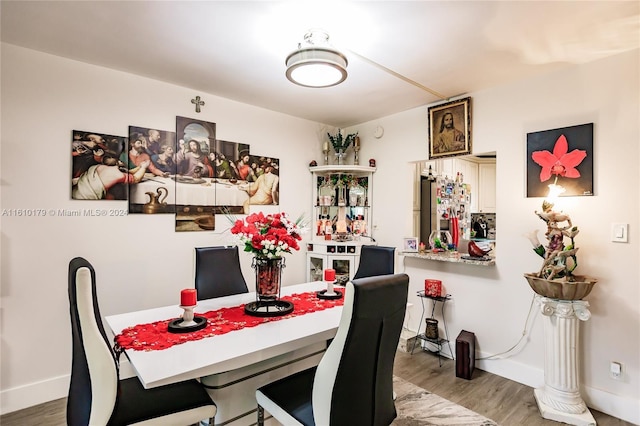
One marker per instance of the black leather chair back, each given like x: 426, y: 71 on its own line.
x: 97, y: 396
x: 376, y: 260
x: 218, y: 272
x: 91, y: 352
x: 354, y: 380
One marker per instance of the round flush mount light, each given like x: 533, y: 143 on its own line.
x: 316, y: 63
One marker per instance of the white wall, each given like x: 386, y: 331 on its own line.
x: 493, y: 302
x: 141, y: 262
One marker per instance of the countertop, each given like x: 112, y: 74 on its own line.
x: 453, y: 257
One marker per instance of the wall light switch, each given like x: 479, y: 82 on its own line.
x: 620, y: 232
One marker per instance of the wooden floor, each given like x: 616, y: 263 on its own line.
x: 504, y: 401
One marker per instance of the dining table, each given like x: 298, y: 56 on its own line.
x: 234, y: 364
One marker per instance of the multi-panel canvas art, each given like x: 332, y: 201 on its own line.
x: 97, y: 173
x: 154, y: 150
x: 189, y: 173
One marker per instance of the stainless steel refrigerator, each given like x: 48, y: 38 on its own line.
x: 429, y: 210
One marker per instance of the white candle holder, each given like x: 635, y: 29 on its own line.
x: 329, y: 291
x: 188, y: 322
x: 187, y: 316
x: 326, y: 156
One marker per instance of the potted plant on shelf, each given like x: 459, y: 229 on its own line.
x: 340, y: 143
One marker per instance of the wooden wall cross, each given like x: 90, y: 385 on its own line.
x: 198, y: 103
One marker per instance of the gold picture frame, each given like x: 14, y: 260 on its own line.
x: 450, y: 129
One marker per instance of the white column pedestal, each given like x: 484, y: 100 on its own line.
x: 560, y: 399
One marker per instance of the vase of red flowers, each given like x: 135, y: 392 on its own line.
x: 268, y: 237
x: 268, y: 277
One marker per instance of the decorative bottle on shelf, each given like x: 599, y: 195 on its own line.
x: 327, y: 192
x: 342, y: 193
x: 320, y: 226
x: 356, y: 193
x: 359, y: 225
x: 328, y: 228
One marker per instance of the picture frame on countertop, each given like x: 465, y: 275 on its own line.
x: 410, y: 245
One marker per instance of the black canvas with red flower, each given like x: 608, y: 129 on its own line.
x: 562, y: 157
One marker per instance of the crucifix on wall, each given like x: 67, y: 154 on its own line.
x: 198, y: 103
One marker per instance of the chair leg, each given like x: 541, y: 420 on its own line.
x: 211, y: 421
x: 260, y: 416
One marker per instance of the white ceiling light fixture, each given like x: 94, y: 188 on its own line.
x: 316, y: 63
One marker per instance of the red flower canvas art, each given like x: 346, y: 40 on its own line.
x: 564, y: 154
x: 560, y: 162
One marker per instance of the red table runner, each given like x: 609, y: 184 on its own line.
x: 155, y: 335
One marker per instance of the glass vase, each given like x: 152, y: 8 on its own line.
x: 268, y: 277
x: 440, y: 240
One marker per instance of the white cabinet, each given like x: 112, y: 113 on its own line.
x: 486, y: 188
x: 323, y: 256
x: 342, y: 200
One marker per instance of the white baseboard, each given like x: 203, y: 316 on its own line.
x: 33, y: 394
x: 617, y: 406
x: 47, y: 390
x: 623, y: 408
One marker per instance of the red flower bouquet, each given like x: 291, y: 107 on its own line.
x: 268, y: 236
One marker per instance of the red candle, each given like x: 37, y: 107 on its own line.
x: 329, y: 274
x: 188, y: 297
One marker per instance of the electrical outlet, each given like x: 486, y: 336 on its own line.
x: 615, y: 369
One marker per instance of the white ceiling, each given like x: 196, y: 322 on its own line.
x: 237, y: 49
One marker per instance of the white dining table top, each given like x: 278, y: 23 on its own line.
x: 225, y: 352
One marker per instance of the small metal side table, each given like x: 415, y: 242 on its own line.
x: 439, y: 342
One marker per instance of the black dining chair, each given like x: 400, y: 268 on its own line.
x: 97, y: 396
x: 218, y: 272
x: 353, y: 384
x: 376, y: 260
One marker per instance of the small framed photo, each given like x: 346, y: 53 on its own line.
x: 450, y: 129
x: 410, y: 244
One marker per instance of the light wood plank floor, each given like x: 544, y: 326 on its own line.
x: 504, y: 401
